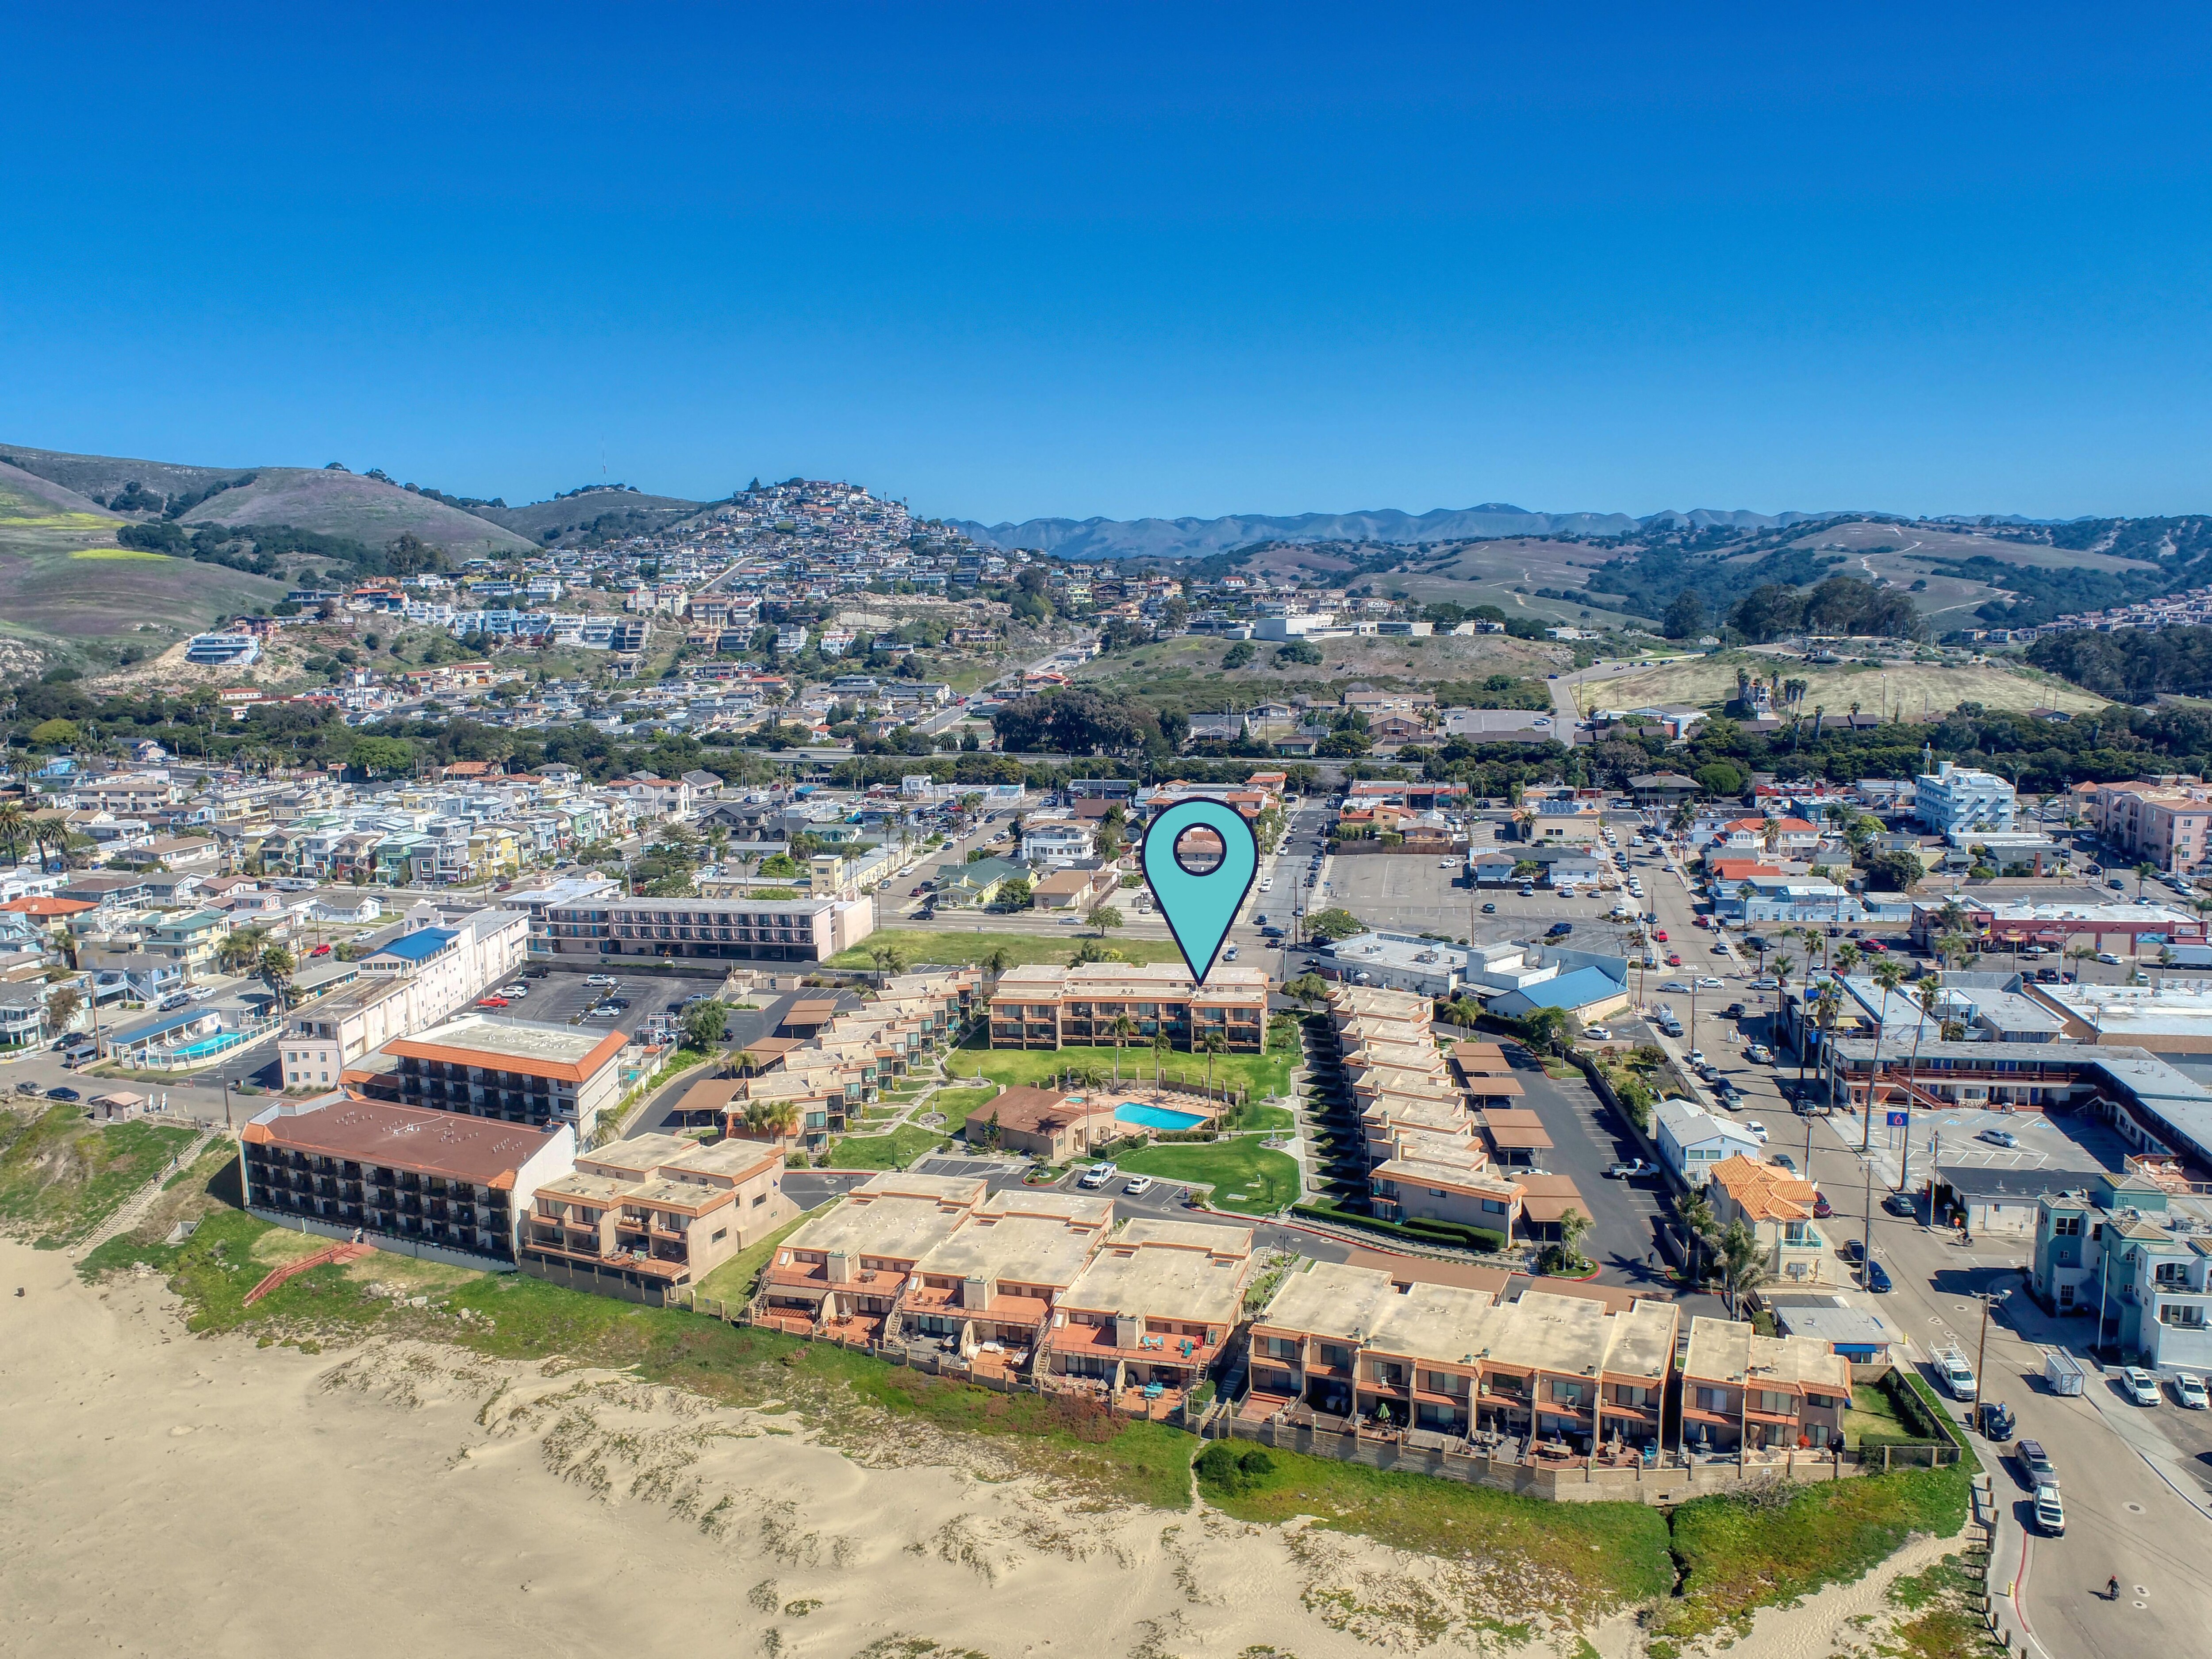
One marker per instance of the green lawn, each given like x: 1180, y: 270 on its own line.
x: 1262, y: 1074
x: 1871, y: 1413
x: 894, y: 1151
x: 957, y: 1103
x: 733, y: 1282
x: 928, y: 947
x: 1079, y: 1449
x: 1266, y: 1181
x: 61, y: 1176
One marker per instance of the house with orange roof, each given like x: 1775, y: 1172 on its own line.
x: 1776, y: 1205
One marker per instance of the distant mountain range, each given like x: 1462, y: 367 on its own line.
x: 1182, y: 538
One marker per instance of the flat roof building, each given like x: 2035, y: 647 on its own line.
x: 524, y: 1073
x: 1041, y: 1006
x: 422, y: 1182
x: 1152, y: 1310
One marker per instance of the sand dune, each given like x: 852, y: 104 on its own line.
x: 162, y: 1494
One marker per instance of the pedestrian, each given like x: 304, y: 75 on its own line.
x: 2113, y: 1588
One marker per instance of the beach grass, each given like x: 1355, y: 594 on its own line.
x: 61, y: 1176
x: 1079, y: 1446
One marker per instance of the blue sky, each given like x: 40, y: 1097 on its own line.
x: 1120, y: 259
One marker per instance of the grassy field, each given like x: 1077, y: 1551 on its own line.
x: 134, y: 554
x: 1263, y: 1074
x: 1709, y: 680
x: 1078, y: 1449
x: 1186, y: 672
x: 61, y: 1176
x: 1738, y: 1555
x: 1576, y: 1561
x: 1246, y: 1177
x: 928, y: 946
x: 894, y: 1151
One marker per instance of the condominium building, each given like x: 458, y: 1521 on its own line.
x: 1042, y: 1007
x: 738, y: 930
x: 537, y: 1074
x: 1153, y: 1306
x: 416, y: 980
x: 426, y: 1180
x: 2167, y: 822
x: 844, y: 1272
x: 642, y: 1217
x: 988, y: 1291
x: 1741, y: 1390
x: 1345, y: 1339
x: 1775, y: 1205
x: 1959, y: 798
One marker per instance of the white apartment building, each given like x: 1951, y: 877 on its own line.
x: 424, y: 977
x: 1057, y: 841
x: 1955, y: 799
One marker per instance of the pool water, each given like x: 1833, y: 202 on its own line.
x: 206, y: 1046
x: 1155, y: 1117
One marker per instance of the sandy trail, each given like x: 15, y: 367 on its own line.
x: 162, y: 1494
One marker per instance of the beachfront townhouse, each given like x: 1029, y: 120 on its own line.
x: 1384, y: 1347
x: 1151, y: 1311
x: 1744, y: 1391
x: 985, y: 1294
x: 842, y: 1273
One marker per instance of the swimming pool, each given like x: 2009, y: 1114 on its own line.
x: 206, y: 1046
x: 1155, y: 1117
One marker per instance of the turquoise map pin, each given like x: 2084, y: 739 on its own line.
x: 1198, y: 895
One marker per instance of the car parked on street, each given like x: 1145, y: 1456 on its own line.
x: 2049, y: 1512
x: 2036, y: 1464
x: 2139, y: 1385
x: 1899, y: 1204
x: 2189, y: 1390
x: 1877, y: 1278
x: 1629, y: 1169
x: 62, y: 1091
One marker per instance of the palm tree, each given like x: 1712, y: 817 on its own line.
x: 742, y: 1063
x: 1574, y: 1227
x: 2143, y: 872
x: 1887, y: 975
x: 1123, y: 1028
x: 1160, y: 1042
x: 1848, y: 957
x: 240, y: 949
x: 276, y: 966
x: 999, y: 961
x: 1742, y: 1262
x: 889, y: 959
x: 15, y: 830
x: 1215, y: 1043
x: 1697, y: 1213
x: 772, y: 1119
x: 51, y: 836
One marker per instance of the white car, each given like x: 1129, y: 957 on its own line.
x: 1710, y: 983
x: 2108, y: 958
x: 2189, y: 1390
x: 2142, y: 1386
x: 1267, y: 884
x: 1229, y: 955
x: 1097, y: 1175
x: 1698, y: 1057
x: 1444, y: 864
x: 1138, y: 1186
x: 602, y: 978
x: 1755, y: 1129
x: 514, y: 991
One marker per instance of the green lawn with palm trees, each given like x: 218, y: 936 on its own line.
x: 919, y: 947
x: 1261, y: 1074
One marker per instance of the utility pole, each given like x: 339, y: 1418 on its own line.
x: 1866, y: 1222
x: 1981, y: 1352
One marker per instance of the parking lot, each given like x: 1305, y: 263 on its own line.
x: 1406, y: 894
x: 561, y: 997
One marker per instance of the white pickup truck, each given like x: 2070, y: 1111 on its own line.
x: 1958, y: 1375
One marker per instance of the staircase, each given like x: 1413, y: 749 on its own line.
x: 133, y: 1209
x: 339, y: 1253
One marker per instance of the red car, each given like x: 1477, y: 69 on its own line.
x: 1674, y: 961
x: 320, y: 951
x: 1874, y: 945
x: 491, y: 1002
x: 1661, y: 935
x: 1701, y: 921
x: 1821, y: 1208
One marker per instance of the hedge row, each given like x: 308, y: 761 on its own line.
x: 1420, y: 1231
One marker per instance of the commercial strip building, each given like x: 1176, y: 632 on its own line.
x: 1041, y: 1006
x: 2058, y: 927
x: 644, y: 1216
x: 417, y: 1181
x: 722, y: 930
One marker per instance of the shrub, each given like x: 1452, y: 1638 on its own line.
x: 1230, y: 1470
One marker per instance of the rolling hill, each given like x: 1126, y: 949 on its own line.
x: 1184, y: 538
x: 332, y: 501
x: 612, y: 511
